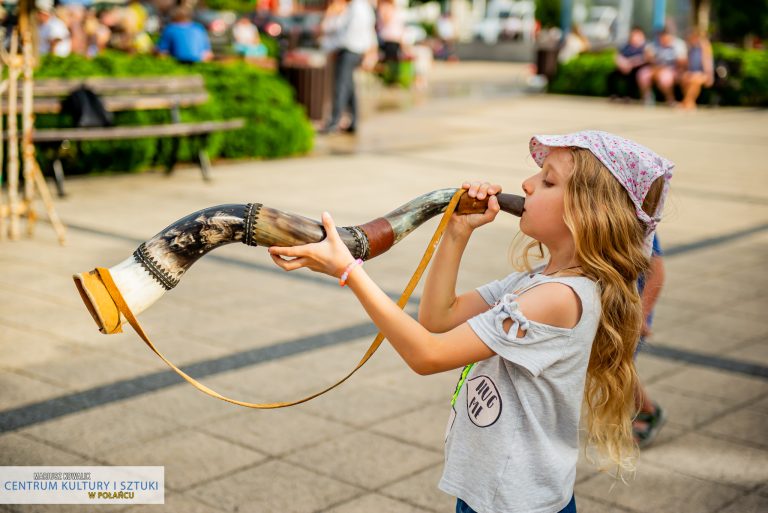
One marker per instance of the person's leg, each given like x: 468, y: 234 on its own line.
x: 354, y: 62
x: 392, y: 57
x: 642, y: 399
x: 612, y: 83
x: 645, y: 83
x: 665, y: 79
x: 692, y: 83
x: 338, y: 95
x: 650, y: 417
x: 633, y: 79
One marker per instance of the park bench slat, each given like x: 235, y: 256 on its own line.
x: 126, y: 102
x: 135, y: 132
x: 110, y: 85
x: 128, y: 94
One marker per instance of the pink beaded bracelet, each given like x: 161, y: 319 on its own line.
x: 345, y: 274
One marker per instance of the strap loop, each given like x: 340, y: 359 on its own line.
x: 122, y: 306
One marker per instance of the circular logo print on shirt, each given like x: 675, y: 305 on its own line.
x: 483, y: 401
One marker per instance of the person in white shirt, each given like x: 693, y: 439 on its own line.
x: 356, y: 35
x: 53, y: 33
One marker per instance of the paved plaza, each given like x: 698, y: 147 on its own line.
x: 71, y: 396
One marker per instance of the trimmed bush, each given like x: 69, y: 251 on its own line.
x: 276, y: 125
x: 585, y: 75
x: 746, y: 83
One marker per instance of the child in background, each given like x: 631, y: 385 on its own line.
x: 650, y: 417
x: 535, y: 344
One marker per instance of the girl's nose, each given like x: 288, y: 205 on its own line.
x: 527, y: 186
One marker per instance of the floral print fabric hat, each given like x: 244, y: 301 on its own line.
x: 634, y: 166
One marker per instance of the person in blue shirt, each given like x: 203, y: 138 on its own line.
x: 632, y: 57
x: 650, y: 417
x: 185, y: 40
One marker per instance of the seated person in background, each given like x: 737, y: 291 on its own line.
x: 629, y: 61
x: 668, y: 60
x: 247, y: 40
x: 53, y: 33
x: 185, y: 40
x: 97, y: 35
x: 701, y: 68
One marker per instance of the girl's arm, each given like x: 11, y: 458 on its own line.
x: 424, y: 352
x: 427, y: 353
x: 440, y: 310
x: 709, y: 63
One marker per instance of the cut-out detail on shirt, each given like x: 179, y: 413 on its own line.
x: 508, y: 308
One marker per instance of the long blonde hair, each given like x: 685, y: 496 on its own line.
x: 608, y: 239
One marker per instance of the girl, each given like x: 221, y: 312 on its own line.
x: 537, y: 343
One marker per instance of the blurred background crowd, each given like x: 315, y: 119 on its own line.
x: 314, y: 59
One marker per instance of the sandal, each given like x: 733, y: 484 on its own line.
x: 652, y: 424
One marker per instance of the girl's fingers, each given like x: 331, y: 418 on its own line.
x: 289, y: 265
x: 329, y: 225
x: 291, y: 251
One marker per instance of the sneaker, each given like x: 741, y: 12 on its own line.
x: 646, y: 426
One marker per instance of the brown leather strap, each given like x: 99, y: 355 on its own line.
x: 134, y: 322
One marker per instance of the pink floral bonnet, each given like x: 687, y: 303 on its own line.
x: 634, y: 166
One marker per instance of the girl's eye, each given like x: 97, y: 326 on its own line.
x: 547, y: 184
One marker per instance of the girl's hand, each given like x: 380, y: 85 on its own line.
x: 329, y: 256
x: 464, y: 224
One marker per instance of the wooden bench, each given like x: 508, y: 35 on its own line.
x: 123, y: 94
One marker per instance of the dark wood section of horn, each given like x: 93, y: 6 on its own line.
x: 380, y: 235
x: 168, y: 255
x: 510, y: 203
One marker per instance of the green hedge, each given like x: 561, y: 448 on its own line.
x: 747, y: 83
x: 276, y: 126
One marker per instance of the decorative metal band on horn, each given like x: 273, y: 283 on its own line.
x: 251, y: 213
x: 147, y: 262
x: 158, y: 264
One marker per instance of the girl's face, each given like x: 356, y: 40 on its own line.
x: 544, y: 199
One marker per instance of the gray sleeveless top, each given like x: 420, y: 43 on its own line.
x: 512, y: 437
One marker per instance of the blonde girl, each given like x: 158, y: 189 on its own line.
x: 537, y: 344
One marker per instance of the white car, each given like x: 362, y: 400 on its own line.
x: 599, y: 27
x: 506, y: 19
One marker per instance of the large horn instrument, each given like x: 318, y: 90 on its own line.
x: 158, y: 264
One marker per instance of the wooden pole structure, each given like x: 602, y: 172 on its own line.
x: 3, y: 87
x: 27, y: 125
x: 13, y: 138
x: 34, y: 182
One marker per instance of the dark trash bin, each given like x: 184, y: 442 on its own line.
x: 311, y: 74
x: 546, y: 61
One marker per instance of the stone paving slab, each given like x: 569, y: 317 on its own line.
x: 714, y: 459
x: 385, y: 461
x: 375, y: 502
x: 375, y: 443
x: 656, y: 489
x: 276, y: 486
x: 421, y: 489
x: 190, y: 457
